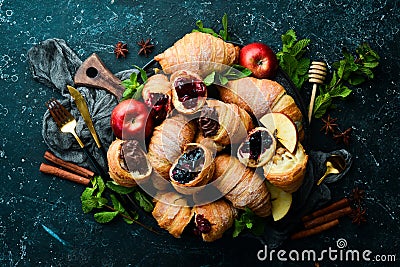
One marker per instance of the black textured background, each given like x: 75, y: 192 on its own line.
x: 29, y: 199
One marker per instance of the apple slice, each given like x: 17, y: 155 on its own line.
x: 280, y: 201
x: 284, y: 129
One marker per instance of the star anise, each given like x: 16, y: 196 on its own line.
x: 358, y: 216
x: 329, y: 125
x: 121, y: 49
x: 343, y: 136
x: 357, y: 195
x: 145, y: 47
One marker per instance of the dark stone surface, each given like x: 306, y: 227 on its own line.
x: 29, y: 199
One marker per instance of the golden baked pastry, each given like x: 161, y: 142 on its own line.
x: 224, y: 123
x: 168, y: 141
x: 194, y: 168
x: 198, y: 52
x: 127, y: 163
x: 157, y: 94
x: 189, y: 93
x: 286, y: 170
x: 258, y: 148
x: 172, y: 213
x: 261, y: 96
x: 241, y: 186
x: 213, y: 219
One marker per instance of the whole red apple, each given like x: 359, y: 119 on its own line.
x: 260, y: 59
x: 130, y: 120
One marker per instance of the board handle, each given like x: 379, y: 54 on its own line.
x: 93, y: 73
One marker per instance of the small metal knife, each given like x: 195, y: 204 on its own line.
x: 83, y: 109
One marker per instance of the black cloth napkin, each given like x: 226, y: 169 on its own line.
x: 54, y: 64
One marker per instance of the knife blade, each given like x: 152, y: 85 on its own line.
x: 83, y: 109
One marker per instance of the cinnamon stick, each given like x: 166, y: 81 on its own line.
x: 334, y: 206
x: 68, y: 165
x: 327, y: 217
x: 316, y: 230
x: 63, y: 174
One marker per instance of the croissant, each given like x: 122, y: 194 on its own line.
x: 199, y: 52
x: 286, y: 170
x: 194, y: 168
x: 258, y: 148
x: 168, y: 141
x: 213, y: 219
x: 189, y: 92
x: 224, y: 123
x: 172, y: 213
x: 266, y: 96
x: 157, y: 94
x: 241, y: 186
x: 127, y: 162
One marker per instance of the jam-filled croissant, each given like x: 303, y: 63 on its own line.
x: 241, y: 186
x: 266, y: 96
x: 258, y: 148
x: 287, y: 170
x: 168, y: 141
x: 194, y: 168
x: 224, y: 123
x: 213, y: 219
x: 127, y: 162
x: 189, y: 92
x: 157, y: 94
x: 172, y: 213
x: 199, y: 52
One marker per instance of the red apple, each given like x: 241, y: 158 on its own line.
x: 130, y: 120
x: 260, y: 59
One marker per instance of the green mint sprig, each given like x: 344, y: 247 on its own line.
x: 133, y: 88
x: 95, y: 198
x: 223, y: 33
x: 291, y: 58
x: 348, y: 71
x: 233, y: 73
x: 248, y: 220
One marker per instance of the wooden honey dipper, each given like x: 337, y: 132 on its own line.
x: 316, y: 75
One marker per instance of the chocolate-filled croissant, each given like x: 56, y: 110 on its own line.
x: 127, y: 162
x: 287, y: 170
x: 198, y: 52
x: 213, y: 219
x: 168, y: 141
x: 224, y: 123
x: 194, y: 168
x: 157, y: 94
x: 189, y: 92
x: 241, y: 186
x: 172, y: 213
x: 258, y: 148
x: 266, y: 96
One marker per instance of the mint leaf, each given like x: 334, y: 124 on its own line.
x: 223, y: 80
x: 143, y: 201
x: 93, y: 202
x: 209, y: 79
x: 291, y: 58
x: 321, y: 104
x: 142, y: 72
x: 122, y: 190
x: 105, y: 216
x: 340, y: 91
x: 223, y: 33
x: 100, y: 184
x: 248, y: 220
